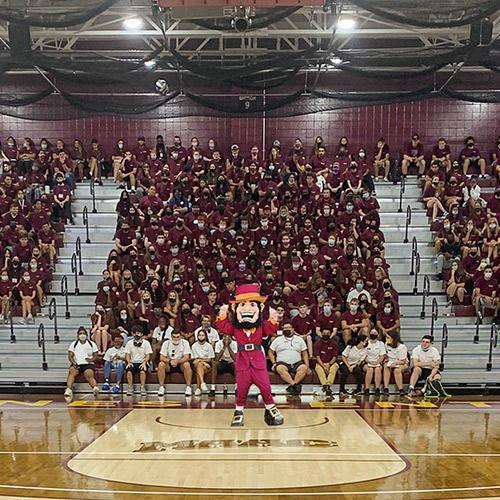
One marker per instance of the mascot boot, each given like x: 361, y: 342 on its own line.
x: 238, y: 419
x: 273, y: 416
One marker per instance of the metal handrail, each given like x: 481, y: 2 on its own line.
x: 434, y: 315
x: 74, y: 270
x: 408, y: 222
x: 53, y: 316
x: 86, y: 222
x: 13, y: 339
x: 92, y: 192
x: 444, y: 345
x: 479, y: 319
x: 493, y: 345
x: 401, y: 193
x: 41, y: 343
x: 64, y: 293
x: 417, y: 270
x: 426, y: 290
x: 414, y: 251
x: 78, y: 251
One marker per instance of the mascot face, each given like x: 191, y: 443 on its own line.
x: 248, y: 314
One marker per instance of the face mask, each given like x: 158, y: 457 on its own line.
x: 174, y: 251
x: 331, y: 242
x: 353, y: 308
x: 242, y: 267
x: 43, y: 146
x: 219, y: 267
x: 26, y: 278
x: 359, y: 286
x: 176, y: 342
x: 288, y: 333
x: 446, y: 226
x: 123, y: 316
x: 82, y: 337
x: 366, y: 196
x: 205, y: 289
x: 386, y: 285
x: 349, y: 209
x: 306, y: 241
x: 10, y: 144
x: 373, y: 336
x: 263, y: 242
x: 488, y: 275
x: 327, y: 309
x: 33, y: 266
x: 171, y: 299
x: 196, y: 158
x: 295, y: 266
x: 105, y: 289
x: 120, y: 145
x: 387, y: 310
x: 473, y: 254
x: 5, y: 278
x: 492, y: 226
x: 361, y: 154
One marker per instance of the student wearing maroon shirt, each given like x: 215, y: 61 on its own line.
x: 62, y: 201
x: 493, y: 205
x: 125, y: 238
x: 486, y: 290
x: 441, y: 153
x: 471, y: 157
x: 388, y: 319
x: 326, y: 352
x: 301, y: 295
x: 5, y: 295
x: 304, y: 325
x: 381, y: 159
x: 413, y: 154
x: 353, y: 322
x: 27, y: 292
x: 47, y: 242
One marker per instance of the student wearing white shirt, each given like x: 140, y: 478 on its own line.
x: 82, y: 354
x: 353, y: 360
x: 206, y: 325
x: 114, y: 358
x: 138, y: 352
x: 289, y: 358
x: 375, y: 355
x: 225, y: 354
x: 425, y: 359
x: 161, y: 333
x: 396, y: 362
x: 174, y: 357
x: 202, y: 354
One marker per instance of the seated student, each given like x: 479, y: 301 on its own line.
x: 82, y: 354
x: 289, y: 358
x: 425, y: 359
x: 206, y: 325
x: 396, y: 362
x: 174, y: 358
x: 353, y: 360
x: 304, y: 326
x: 486, y: 289
x: 353, y: 322
x: 202, y: 354
x: 114, y: 359
x: 27, y: 293
x: 161, y: 333
x: 5, y: 295
x: 326, y: 351
x: 388, y: 319
x: 225, y: 354
x: 471, y: 157
x: 375, y: 355
x: 137, y: 355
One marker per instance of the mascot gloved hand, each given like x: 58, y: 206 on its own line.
x: 248, y: 329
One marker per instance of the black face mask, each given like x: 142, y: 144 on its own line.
x: 288, y: 333
x: 386, y: 285
x: 373, y: 337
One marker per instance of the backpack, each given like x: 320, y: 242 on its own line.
x: 434, y: 389
x: 394, y: 174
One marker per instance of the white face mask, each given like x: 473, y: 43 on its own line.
x: 488, y: 275
x: 387, y: 310
x: 331, y: 242
x: 353, y: 308
x: 123, y: 316
x: 5, y: 278
x: 26, y: 278
x: 82, y: 337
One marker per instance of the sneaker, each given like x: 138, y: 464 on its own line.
x: 376, y: 178
x: 116, y: 389
x: 68, y: 393
x: 106, y: 386
x: 386, y: 391
x: 411, y: 392
x: 401, y: 392
x: 211, y: 394
x: 161, y: 391
x: 377, y: 391
x: 298, y: 388
x: 130, y: 390
x: 386, y: 179
x: 204, y: 388
x: 143, y: 391
x: 290, y: 389
x: 188, y: 391
x: 95, y: 390
x: 197, y: 392
x: 366, y: 392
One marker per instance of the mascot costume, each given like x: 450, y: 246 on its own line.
x: 248, y: 329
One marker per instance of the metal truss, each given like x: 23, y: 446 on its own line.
x: 105, y: 34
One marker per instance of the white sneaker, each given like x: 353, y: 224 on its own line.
x: 376, y: 178
x: 204, y: 388
x: 130, y: 390
x: 143, y: 391
x: 161, y: 391
x: 68, y: 393
x: 188, y: 391
x: 30, y: 318
x: 386, y: 179
x: 95, y: 390
x: 197, y: 392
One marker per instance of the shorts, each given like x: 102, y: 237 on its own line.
x: 82, y: 368
x: 174, y: 369
x: 136, y: 368
x: 225, y: 367
x: 425, y: 374
x: 292, y: 368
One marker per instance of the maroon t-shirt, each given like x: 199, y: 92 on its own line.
x: 352, y: 319
x: 387, y: 320
x: 305, y: 325
x: 327, y: 322
x: 441, y: 153
x: 26, y: 288
x: 326, y: 350
x: 486, y: 287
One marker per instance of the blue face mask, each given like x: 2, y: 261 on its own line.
x: 359, y: 286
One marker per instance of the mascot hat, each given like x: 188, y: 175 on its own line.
x: 248, y: 293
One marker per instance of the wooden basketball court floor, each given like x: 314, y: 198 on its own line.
x: 114, y: 448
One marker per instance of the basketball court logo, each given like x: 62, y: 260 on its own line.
x: 165, y: 447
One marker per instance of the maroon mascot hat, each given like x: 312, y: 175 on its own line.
x: 248, y: 293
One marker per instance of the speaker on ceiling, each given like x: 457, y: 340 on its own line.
x: 481, y: 32
x: 19, y: 38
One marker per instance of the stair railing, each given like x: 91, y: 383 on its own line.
x: 493, y: 345
x: 434, y: 315
x: 53, y: 316
x: 86, y: 222
x: 479, y: 319
x: 414, y: 251
x: 417, y: 270
x: 92, y: 192
x: 41, y: 343
x: 13, y: 339
x: 401, y: 193
x: 444, y: 345
x: 408, y: 222
x: 64, y: 293
x: 78, y: 251
x: 425, y: 293
x: 74, y: 270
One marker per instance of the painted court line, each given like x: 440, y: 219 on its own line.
x: 251, y: 494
